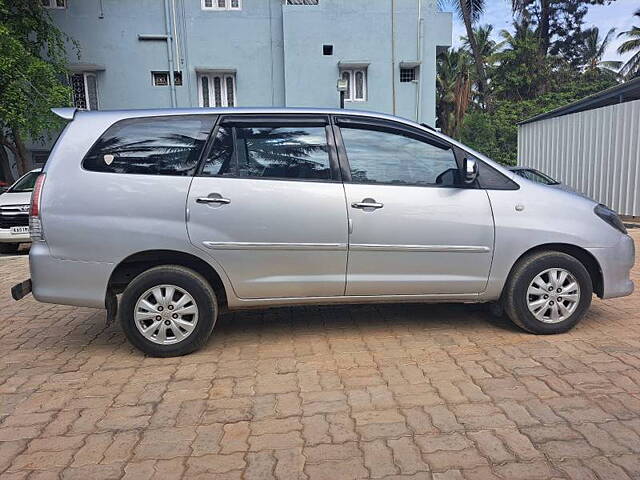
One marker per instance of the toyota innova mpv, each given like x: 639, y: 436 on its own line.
x: 167, y: 217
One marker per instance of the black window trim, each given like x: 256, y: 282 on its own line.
x: 384, y: 125
x: 245, y: 120
x: 204, y: 148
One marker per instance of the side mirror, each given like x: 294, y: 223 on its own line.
x: 469, y: 170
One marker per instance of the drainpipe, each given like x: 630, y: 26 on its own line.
x: 393, y: 54
x: 167, y: 22
x: 175, y: 35
x: 100, y: 10
x: 187, y: 75
x: 419, y: 38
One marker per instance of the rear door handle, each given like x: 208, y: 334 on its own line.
x: 220, y: 200
x: 367, y: 203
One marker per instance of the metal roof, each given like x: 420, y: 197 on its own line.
x: 625, y: 92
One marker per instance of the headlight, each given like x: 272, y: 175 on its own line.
x: 609, y: 216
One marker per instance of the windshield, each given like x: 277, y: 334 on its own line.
x: 25, y: 183
x: 537, y: 176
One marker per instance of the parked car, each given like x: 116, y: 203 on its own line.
x: 184, y: 213
x: 539, y: 177
x: 14, y: 213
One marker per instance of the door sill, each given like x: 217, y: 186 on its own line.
x: 241, y: 303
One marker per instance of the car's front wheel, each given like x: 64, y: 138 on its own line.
x: 548, y: 292
x: 168, y: 311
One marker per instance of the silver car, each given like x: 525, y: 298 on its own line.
x: 167, y: 217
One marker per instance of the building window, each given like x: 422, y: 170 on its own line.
x: 222, y: 4
x: 303, y: 2
x: 408, y: 74
x: 84, y: 88
x: 356, y: 84
x: 217, y: 89
x: 161, y: 79
x: 54, y: 3
x: 327, y: 50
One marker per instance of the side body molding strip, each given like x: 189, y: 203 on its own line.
x: 274, y: 246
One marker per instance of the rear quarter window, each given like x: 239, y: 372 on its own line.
x: 168, y: 145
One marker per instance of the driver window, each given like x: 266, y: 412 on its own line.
x: 396, y: 158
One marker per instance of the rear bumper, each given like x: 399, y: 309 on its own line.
x: 67, y: 282
x: 616, y: 263
x: 7, y: 237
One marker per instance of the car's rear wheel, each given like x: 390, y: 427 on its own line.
x: 168, y: 311
x: 548, y: 292
x: 9, y: 247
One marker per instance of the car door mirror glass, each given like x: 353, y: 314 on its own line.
x: 470, y: 170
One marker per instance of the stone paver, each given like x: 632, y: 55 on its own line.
x: 391, y: 392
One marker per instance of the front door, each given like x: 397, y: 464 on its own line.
x: 414, y: 230
x: 269, y: 207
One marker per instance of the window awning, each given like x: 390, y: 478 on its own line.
x: 216, y: 70
x: 86, y: 67
x: 409, y: 64
x: 353, y: 64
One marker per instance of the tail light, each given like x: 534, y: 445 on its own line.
x: 35, y: 223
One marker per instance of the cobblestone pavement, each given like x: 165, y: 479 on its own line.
x: 420, y: 392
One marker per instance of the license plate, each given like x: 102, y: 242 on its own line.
x: 19, y: 230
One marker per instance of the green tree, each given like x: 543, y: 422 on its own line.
x: 32, y: 76
x: 592, y: 50
x: 632, y: 44
x: 470, y: 12
x: 453, y: 89
x: 521, y: 72
x: 556, y: 23
x: 496, y: 134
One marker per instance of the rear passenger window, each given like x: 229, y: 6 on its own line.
x: 283, y: 152
x: 168, y: 145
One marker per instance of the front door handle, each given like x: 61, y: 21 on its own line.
x: 367, y: 203
x: 220, y: 200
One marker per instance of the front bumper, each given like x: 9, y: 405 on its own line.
x: 67, y: 282
x: 616, y: 263
x: 7, y: 237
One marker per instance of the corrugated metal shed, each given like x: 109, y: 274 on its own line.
x: 596, y: 152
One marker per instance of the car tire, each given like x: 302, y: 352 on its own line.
x: 9, y: 248
x: 533, y: 297
x: 168, y: 311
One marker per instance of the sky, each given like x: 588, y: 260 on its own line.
x: 618, y: 14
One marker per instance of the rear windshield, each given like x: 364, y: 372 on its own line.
x: 25, y: 183
x: 168, y: 145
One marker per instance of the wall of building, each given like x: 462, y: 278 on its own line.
x: 361, y: 32
x: 596, y: 152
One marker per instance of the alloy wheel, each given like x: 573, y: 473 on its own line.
x: 553, y: 295
x: 166, y: 314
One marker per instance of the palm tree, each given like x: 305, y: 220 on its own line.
x: 453, y: 87
x: 592, y: 51
x: 521, y: 74
x: 487, y: 48
x: 632, y: 67
x: 469, y: 12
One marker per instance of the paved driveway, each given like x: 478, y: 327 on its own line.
x: 420, y: 392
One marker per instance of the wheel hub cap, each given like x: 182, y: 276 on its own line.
x: 166, y: 314
x: 553, y: 295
